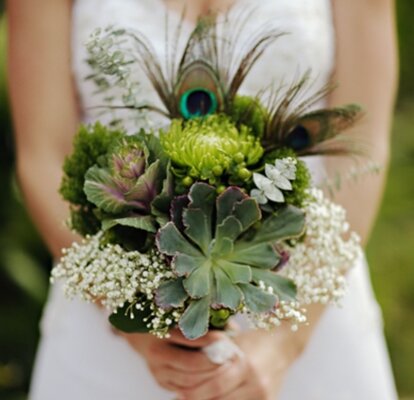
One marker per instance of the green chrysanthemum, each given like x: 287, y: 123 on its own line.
x: 211, y: 149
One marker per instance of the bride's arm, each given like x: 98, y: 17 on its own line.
x: 44, y: 108
x: 366, y: 72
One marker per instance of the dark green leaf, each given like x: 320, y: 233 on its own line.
x: 122, y: 320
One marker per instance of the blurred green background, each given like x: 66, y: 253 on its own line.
x: 24, y: 261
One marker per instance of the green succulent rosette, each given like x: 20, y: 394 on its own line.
x: 211, y: 149
x: 221, y: 253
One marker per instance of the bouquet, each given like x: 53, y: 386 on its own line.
x: 213, y: 213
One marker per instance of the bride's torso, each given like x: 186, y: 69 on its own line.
x: 308, y: 45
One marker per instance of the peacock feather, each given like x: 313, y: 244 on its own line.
x: 205, y: 76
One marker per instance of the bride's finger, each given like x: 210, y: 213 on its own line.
x: 177, y: 338
x: 221, y: 384
x: 179, y: 380
x: 188, y: 361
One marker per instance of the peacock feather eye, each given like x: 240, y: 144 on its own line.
x: 198, y: 102
x: 299, y: 138
x: 198, y: 91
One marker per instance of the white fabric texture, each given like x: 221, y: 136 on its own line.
x: 81, y: 358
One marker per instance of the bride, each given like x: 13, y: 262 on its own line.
x: 341, y: 354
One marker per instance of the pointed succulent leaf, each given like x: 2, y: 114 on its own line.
x: 102, y: 190
x: 283, y: 288
x: 260, y: 255
x: 238, y: 273
x: 198, y: 227
x: 194, y: 322
x: 287, y: 223
x: 183, y: 264
x: 257, y: 300
x: 197, y: 284
x: 230, y: 229
x: 226, y: 202
x: 202, y: 196
x: 247, y: 212
x: 171, y: 242
x: 171, y: 294
x: 226, y: 293
x: 221, y: 247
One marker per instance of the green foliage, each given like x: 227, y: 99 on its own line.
x: 90, y: 145
x: 211, y: 149
x: 248, y: 111
x: 405, y: 12
x: 218, y: 265
x: 390, y: 252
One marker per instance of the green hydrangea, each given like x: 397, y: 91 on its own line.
x: 246, y: 110
x: 90, y: 146
x: 211, y: 149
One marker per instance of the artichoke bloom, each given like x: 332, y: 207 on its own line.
x: 208, y: 148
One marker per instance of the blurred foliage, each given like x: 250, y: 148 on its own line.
x: 391, y: 253
x: 24, y: 261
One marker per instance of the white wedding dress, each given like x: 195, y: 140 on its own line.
x: 80, y: 358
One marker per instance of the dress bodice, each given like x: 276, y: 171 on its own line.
x: 308, y: 45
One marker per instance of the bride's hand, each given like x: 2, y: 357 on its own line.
x: 257, y: 375
x: 178, y: 364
